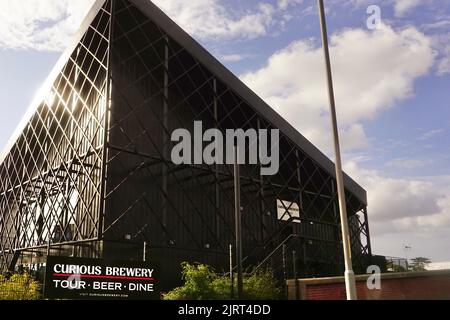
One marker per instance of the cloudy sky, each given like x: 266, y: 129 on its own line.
x: 392, y: 89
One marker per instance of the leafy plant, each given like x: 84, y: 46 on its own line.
x: 420, y: 264
x: 197, y: 285
x: 262, y: 285
x: 19, y: 287
x: 203, y: 283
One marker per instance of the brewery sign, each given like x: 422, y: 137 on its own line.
x: 85, y: 279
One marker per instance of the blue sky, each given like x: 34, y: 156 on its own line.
x: 392, y: 89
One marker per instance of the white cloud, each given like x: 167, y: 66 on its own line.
x: 436, y: 25
x: 284, y: 4
x: 419, y: 206
x: 441, y: 44
x: 445, y: 265
x: 431, y: 134
x: 414, y: 211
x: 372, y: 72
x: 402, y: 7
x: 47, y: 25
x: 354, y: 137
x: 444, y: 64
x: 403, y: 163
x: 40, y: 24
x: 234, y: 57
x: 208, y: 19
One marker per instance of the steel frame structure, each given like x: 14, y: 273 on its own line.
x: 89, y: 173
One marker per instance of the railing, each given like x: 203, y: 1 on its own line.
x: 282, y: 246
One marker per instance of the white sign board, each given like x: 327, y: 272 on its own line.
x: 287, y: 210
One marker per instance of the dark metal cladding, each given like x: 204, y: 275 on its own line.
x: 91, y: 175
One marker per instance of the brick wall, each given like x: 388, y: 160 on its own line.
x: 394, y: 286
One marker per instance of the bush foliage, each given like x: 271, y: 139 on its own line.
x: 19, y: 287
x: 203, y: 283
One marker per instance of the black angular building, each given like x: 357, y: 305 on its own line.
x: 88, y: 172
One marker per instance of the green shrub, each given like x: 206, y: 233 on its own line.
x: 203, y: 283
x: 262, y: 285
x: 198, y: 279
x: 19, y: 287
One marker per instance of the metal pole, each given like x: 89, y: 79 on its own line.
x: 216, y: 168
x: 294, y: 266
x: 231, y: 272
x: 48, y: 247
x: 406, y: 248
x: 238, y: 229
x: 144, y: 256
x: 166, y: 138
x: 284, y: 269
x: 294, y: 263
x: 349, y: 274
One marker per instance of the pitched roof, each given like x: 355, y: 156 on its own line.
x: 214, y: 66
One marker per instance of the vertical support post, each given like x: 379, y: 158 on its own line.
x: 294, y: 267
x: 66, y: 211
x: 17, y: 223
x: 333, y: 194
x: 294, y: 263
x: 238, y: 217
x: 261, y: 198
x: 40, y: 219
x: 406, y: 248
x: 48, y: 248
x: 283, y: 252
x: 349, y: 274
x: 336, y: 234
x: 144, y: 254
x: 165, y: 141
x: 216, y: 168
x: 231, y: 272
x: 299, y: 179
x: 106, y: 124
x: 46, y: 266
x: 369, y: 244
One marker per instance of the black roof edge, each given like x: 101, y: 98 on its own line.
x: 216, y: 67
